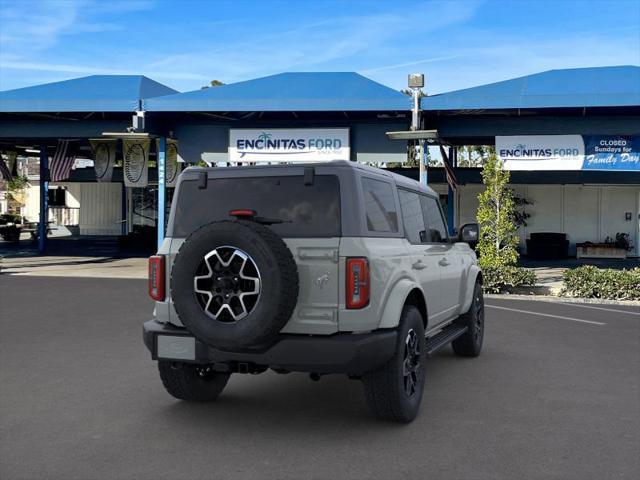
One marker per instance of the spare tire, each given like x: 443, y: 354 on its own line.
x: 234, y: 284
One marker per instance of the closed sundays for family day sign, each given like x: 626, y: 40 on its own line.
x: 569, y: 152
x: 289, y: 145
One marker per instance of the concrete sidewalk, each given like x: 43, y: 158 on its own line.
x: 549, y: 279
x: 68, y: 266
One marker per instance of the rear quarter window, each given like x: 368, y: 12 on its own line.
x: 380, y: 206
x: 306, y: 210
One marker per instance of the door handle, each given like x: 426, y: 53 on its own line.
x: 443, y: 262
x: 418, y: 265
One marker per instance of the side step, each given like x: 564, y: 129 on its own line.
x: 444, y: 337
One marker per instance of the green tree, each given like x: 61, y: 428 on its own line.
x: 474, y: 155
x: 213, y: 83
x: 496, y: 211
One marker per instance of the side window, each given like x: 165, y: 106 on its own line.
x: 436, y: 229
x: 380, y: 207
x: 412, y: 216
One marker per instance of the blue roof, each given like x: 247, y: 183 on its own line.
x: 577, y: 87
x: 96, y: 93
x: 307, y: 91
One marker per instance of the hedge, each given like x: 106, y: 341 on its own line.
x: 591, y: 282
x: 498, y: 278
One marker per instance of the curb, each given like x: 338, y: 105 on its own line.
x: 555, y: 299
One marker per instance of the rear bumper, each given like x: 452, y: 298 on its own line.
x: 352, y: 354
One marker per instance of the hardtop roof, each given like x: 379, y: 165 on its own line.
x: 325, y: 167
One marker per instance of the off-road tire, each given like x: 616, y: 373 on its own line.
x: 385, y: 388
x: 279, y: 285
x: 191, y: 382
x: 470, y: 343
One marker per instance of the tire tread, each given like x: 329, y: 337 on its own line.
x: 382, y: 387
x: 182, y: 382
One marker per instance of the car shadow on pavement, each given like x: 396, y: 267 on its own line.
x: 292, y: 404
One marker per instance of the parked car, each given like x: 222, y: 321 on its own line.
x: 326, y: 268
x: 10, y: 227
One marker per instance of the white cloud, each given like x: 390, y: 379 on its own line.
x: 31, y: 27
x: 89, y: 70
x: 500, y: 57
x: 436, y: 37
x: 314, y: 46
x: 408, y: 64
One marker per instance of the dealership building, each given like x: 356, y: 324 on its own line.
x: 571, y: 139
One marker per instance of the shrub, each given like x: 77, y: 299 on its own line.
x: 500, y: 277
x: 592, y: 282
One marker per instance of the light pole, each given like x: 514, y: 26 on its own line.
x: 416, y: 83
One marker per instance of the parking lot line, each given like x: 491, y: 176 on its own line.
x: 628, y: 312
x: 530, y: 312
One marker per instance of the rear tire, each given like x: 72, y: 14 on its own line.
x: 470, y: 344
x: 187, y: 381
x: 394, y: 392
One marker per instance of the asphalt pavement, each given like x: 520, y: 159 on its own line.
x: 554, y: 395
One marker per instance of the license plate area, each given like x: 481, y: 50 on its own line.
x: 175, y: 347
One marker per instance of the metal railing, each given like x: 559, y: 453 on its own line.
x: 67, y: 216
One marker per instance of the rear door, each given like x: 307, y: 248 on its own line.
x: 444, y: 253
x: 424, y: 261
x: 306, y: 215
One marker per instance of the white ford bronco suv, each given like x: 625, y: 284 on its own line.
x: 320, y: 268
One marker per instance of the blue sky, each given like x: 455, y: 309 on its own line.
x: 184, y: 44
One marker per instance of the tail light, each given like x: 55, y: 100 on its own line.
x: 156, y: 277
x: 358, y: 286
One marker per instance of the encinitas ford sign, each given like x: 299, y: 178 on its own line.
x: 289, y: 145
x: 541, y: 152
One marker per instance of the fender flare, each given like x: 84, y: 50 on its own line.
x: 472, y: 276
x: 395, y: 302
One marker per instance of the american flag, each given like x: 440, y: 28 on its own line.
x: 448, y: 170
x: 62, y: 161
x: 4, y: 170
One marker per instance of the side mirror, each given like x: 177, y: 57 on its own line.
x: 469, y: 233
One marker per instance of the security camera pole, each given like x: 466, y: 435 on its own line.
x: 416, y: 83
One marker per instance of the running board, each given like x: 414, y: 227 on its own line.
x: 444, y: 337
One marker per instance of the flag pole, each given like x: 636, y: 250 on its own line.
x: 44, y: 199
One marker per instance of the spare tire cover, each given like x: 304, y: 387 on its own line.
x: 234, y: 284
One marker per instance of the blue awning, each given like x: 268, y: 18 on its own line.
x: 96, y: 93
x: 288, y: 92
x: 577, y: 87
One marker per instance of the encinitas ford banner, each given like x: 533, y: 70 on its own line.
x: 541, y: 152
x: 569, y: 152
x: 289, y: 145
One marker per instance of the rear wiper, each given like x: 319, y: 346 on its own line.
x: 251, y: 215
x: 269, y: 221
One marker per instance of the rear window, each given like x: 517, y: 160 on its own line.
x: 306, y: 210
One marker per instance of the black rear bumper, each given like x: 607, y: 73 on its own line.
x: 348, y: 353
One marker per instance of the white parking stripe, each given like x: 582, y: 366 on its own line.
x: 574, y: 304
x: 545, y: 315
x: 597, y: 308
